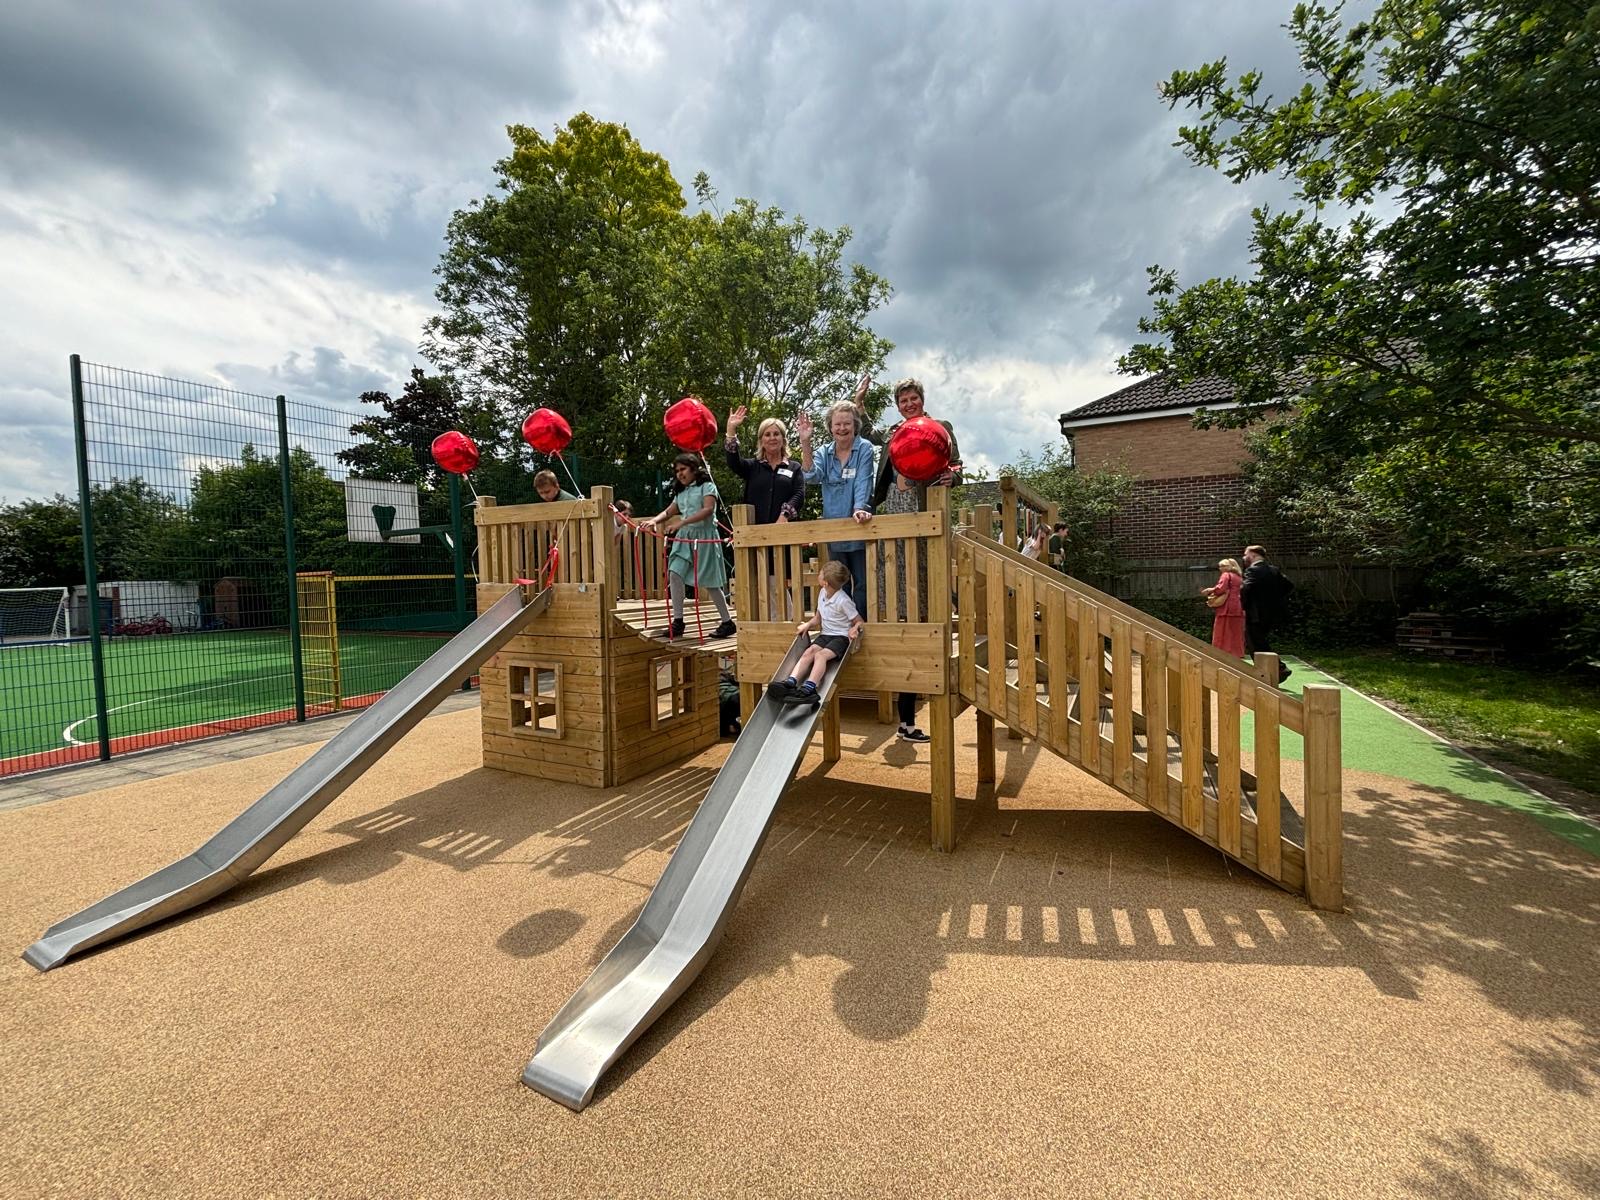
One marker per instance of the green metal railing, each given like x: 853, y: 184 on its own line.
x: 199, y: 506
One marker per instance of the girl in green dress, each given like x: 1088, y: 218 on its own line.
x: 692, y: 518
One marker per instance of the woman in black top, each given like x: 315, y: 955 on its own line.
x: 773, y: 483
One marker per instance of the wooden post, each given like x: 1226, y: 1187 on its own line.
x: 830, y: 730
x: 983, y: 521
x: 886, y: 712
x: 985, y: 747
x: 751, y: 579
x: 941, y: 706
x: 1324, y: 769
x: 606, y: 568
x: 1008, y: 512
x: 488, y: 559
x: 942, y: 751
x: 1266, y: 665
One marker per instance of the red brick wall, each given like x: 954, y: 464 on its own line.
x: 1161, y: 448
x: 1201, y: 518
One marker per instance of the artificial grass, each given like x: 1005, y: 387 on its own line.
x: 175, y: 681
x: 1544, y: 722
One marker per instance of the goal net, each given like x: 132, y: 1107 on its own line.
x: 34, y: 615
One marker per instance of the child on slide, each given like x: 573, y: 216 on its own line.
x: 840, y: 624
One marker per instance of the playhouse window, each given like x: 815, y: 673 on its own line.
x: 535, y: 695
x: 672, y: 687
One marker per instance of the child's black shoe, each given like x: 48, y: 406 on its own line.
x: 781, y: 689
x: 726, y: 629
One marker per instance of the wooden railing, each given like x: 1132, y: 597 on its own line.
x: 1019, y: 512
x: 1151, y: 711
x: 514, y: 542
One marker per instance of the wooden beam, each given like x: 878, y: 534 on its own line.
x: 1324, y: 799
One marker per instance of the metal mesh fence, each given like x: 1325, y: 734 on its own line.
x: 200, y: 505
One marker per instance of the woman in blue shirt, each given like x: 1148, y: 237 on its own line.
x: 844, y: 473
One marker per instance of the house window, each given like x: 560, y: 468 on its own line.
x: 672, y: 688
x: 535, y: 694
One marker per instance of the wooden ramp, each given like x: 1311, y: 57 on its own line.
x: 1152, y: 712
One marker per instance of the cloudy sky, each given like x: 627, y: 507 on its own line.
x: 254, y: 194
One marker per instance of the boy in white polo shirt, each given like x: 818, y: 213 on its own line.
x: 840, y: 624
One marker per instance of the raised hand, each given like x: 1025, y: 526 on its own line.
x: 736, y: 419
x: 802, y: 426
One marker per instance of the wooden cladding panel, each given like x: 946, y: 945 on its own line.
x: 892, y: 658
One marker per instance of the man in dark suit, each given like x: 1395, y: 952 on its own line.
x: 1264, y: 595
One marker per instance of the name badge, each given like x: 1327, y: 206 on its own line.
x: 848, y: 473
x: 786, y: 472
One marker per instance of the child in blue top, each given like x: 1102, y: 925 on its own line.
x: 691, y: 515
x: 840, y: 624
x: 844, y: 473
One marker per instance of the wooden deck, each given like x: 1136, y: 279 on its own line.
x: 633, y: 613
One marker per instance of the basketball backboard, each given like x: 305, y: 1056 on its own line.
x: 360, y: 495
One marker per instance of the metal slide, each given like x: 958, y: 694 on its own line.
x: 258, y: 833
x: 682, y: 922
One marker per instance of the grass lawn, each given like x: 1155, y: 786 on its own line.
x: 1542, y: 722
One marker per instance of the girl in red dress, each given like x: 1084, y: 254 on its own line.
x: 1227, y: 623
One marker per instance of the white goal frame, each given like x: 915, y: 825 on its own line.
x: 53, y: 622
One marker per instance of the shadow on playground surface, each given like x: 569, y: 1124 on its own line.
x: 1433, y: 883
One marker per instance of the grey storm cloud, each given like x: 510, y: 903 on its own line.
x: 1008, y: 168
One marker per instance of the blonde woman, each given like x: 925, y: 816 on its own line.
x: 1227, y: 620
x: 774, y: 483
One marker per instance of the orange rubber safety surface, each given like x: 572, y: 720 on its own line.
x: 1081, y: 1001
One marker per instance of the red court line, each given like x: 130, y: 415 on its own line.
x: 63, y: 756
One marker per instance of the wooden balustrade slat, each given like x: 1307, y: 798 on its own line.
x: 1090, y: 656
x: 1122, y: 703
x: 1228, y: 798
x: 891, y: 566
x: 995, y: 581
x: 1155, y: 721
x: 913, y: 553
x: 1058, y: 668
x: 1269, y: 850
x: 1027, y: 660
x: 967, y: 622
x: 1193, y: 759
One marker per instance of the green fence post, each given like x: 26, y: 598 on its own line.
x: 288, y: 552
x: 91, y: 577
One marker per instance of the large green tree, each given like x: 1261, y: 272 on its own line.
x: 766, y: 311
x: 583, y: 285
x: 1430, y: 313
x: 135, y: 525
x: 552, y: 290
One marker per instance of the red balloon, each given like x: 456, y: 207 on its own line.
x: 920, y: 449
x: 690, y: 425
x: 455, y: 452
x: 547, y: 431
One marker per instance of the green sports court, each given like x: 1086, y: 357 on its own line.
x: 175, y: 687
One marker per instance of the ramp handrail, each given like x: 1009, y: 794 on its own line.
x: 1188, y: 706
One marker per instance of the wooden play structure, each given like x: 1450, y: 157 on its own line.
x: 954, y: 614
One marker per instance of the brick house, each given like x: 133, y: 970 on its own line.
x: 1189, y: 481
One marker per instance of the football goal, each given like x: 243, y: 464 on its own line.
x: 34, y: 615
